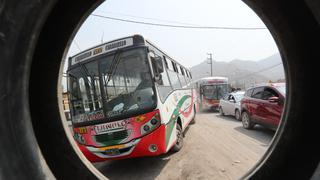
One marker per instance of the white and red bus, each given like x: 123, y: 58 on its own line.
x: 211, y: 90
x: 129, y: 99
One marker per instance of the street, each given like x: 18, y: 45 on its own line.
x: 216, y: 147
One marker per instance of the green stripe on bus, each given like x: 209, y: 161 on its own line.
x: 174, y: 117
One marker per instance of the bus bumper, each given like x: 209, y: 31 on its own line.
x: 211, y: 106
x: 152, y: 144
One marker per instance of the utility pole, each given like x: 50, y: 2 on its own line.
x: 210, y: 61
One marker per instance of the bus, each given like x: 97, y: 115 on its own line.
x: 129, y: 99
x: 211, y: 90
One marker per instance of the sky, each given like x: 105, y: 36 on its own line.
x: 188, y: 46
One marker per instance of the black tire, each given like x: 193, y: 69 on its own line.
x: 221, y: 111
x: 193, y: 121
x: 34, y: 144
x: 237, y: 115
x: 33, y: 36
x: 179, y: 144
x: 246, y: 120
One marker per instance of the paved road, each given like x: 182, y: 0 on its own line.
x: 216, y: 147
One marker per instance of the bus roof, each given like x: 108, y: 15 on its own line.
x: 212, y: 80
x: 152, y: 44
x: 106, y: 47
x: 112, y: 46
x: 214, y: 77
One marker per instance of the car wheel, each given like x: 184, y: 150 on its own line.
x: 246, y: 121
x: 221, y: 111
x: 237, y: 115
x: 177, y: 147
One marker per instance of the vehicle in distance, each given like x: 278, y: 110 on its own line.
x: 263, y: 105
x: 211, y: 90
x: 230, y: 104
x: 128, y: 99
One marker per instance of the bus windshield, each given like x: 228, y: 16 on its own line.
x: 111, y: 87
x: 215, y: 92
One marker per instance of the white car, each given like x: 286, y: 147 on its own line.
x: 230, y: 104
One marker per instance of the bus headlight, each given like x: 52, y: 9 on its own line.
x: 154, y: 121
x: 146, y: 128
x: 150, y: 125
x: 79, y: 138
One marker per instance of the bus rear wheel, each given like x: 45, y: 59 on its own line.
x: 179, y: 143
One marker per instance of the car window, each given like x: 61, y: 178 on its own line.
x: 226, y: 97
x: 268, y: 92
x: 238, y: 97
x: 249, y: 92
x: 257, y: 92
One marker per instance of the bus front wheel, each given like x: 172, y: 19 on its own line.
x: 179, y: 143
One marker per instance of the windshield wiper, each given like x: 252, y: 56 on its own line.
x: 71, y: 91
x: 85, y: 73
x: 114, y: 64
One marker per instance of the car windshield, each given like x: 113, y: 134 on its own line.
x: 282, y: 89
x: 215, y: 91
x: 238, y: 97
x: 111, y: 87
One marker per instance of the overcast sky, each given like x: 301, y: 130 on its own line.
x: 188, y: 46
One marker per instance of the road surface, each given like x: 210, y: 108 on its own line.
x: 216, y: 147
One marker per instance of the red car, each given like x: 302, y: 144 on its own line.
x: 263, y: 105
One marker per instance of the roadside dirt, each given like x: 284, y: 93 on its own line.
x: 216, y: 147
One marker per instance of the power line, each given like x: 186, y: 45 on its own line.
x: 179, y: 26
x: 129, y: 15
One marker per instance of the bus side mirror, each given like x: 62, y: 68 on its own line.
x: 158, y: 79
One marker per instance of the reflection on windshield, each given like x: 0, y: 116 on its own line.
x: 238, y: 97
x: 215, y: 91
x: 282, y: 89
x: 111, y: 86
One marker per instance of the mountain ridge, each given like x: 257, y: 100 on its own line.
x: 243, y: 73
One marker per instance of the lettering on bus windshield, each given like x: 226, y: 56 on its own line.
x: 96, y: 115
x: 115, y: 45
x: 102, y: 49
x: 216, y: 81
x: 82, y: 56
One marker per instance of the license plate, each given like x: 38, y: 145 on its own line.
x: 112, y: 152
x: 112, y: 147
x: 109, y: 127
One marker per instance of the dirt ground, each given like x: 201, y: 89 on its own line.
x: 216, y: 147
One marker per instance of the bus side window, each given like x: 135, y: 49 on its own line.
x: 84, y: 94
x: 190, y: 75
x: 173, y: 76
x: 181, y: 77
x: 165, y: 62
x: 165, y: 86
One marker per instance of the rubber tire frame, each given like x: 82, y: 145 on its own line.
x: 34, y: 36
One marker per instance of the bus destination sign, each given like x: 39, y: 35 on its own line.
x: 101, y: 50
